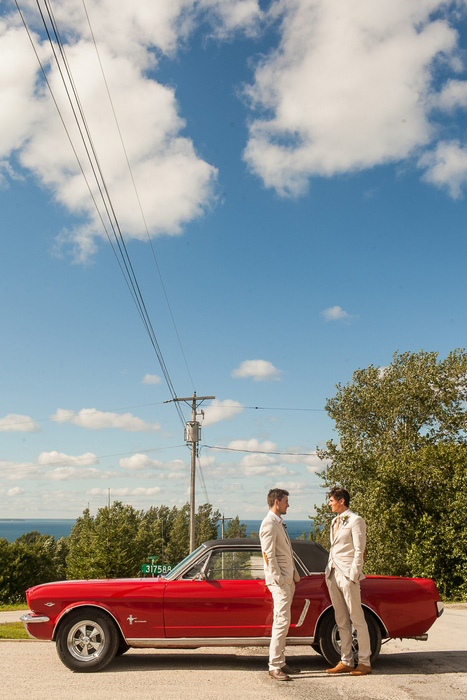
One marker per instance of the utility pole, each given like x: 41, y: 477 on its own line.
x: 223, y: 519
x: 193, y: 436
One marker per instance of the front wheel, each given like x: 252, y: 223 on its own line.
x: 87, y: 641
x: 330, y: 644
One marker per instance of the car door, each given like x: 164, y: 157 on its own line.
x: 227, y: 598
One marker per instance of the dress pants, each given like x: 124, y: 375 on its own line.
x: 282, y: 598
x: 346, y: 601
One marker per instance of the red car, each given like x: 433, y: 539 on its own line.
x: 217, y: 597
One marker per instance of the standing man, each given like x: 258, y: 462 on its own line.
x: 280, y: 576
x: 343, y: 576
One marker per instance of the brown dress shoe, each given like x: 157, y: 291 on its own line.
x: 293, y: 670
x: 361, y: 670
x: 279, y: 675
x: 340, y: 668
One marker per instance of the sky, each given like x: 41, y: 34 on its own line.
x: 289, y: 181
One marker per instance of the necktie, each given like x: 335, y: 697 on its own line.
x: 336, y: 524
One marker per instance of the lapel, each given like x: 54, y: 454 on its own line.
x: 335, y: 532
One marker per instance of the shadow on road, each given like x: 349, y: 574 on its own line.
x: 423, y: 663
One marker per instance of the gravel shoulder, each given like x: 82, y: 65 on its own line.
x: 405, y: 670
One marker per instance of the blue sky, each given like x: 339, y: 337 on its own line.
x: 301, y: 166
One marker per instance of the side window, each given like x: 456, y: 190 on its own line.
x: 191, y: 573
x: 235, y: 565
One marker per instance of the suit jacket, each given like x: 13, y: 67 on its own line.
x: 348, y: 546
x: 278, y: 560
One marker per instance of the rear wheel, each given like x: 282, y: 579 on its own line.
x: 87, y: 640
x: 330, y: 644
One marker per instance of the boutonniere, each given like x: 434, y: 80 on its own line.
x: 345, y: 520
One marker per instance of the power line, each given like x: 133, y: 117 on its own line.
x: 122, y: 255
x: 158, y: 403
x: 136, y: 192
x: 261, y: 452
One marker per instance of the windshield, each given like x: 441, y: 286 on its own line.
x: 176, y: 570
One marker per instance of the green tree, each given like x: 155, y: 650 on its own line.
x: 206, y: 523
x: 31, y: 559
x: 106, y: 546
x: 235, y: 528
x: 402, y: 455
x: 179, y: 541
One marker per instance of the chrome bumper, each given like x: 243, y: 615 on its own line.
x: 439, y: 608
x: 29, y: 618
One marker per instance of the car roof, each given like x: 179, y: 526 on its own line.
x: 312, y: 554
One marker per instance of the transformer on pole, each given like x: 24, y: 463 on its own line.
x: 193, y: 436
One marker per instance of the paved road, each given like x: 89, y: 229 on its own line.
x: 405, y: 670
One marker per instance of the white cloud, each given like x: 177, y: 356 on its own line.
x: 314, y: 464
x: 290, y: 485
x: 54, y: 457
x: 140, y: 491
x: 17, y: 471
x: 139, y: 462
x: 253, y: 445
x: 148, y: 118
x: 257, y: 460
x: 349, y: 87
x: 221, y: 410
x: 335, y: 313
x: 270, y: 470
x: 260, y: 370
x: 151, y: 379
x: 130, y: 39
x: 446, y: 166
x: 453, y: 95
x: 15, y: 491
x: 15, y: 422
x: 234, y: 15
x: 92, y: 419
x: 69, y: 473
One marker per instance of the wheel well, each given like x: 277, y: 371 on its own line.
x: 92, y: 609
x: 328, y: 611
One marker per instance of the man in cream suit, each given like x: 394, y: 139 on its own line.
x: 343, y: 576
x: 280, y: 576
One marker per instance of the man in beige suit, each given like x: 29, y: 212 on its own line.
x: 344, y: 572
x: 280, y: 576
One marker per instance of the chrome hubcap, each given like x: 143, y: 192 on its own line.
x: 86, y: 640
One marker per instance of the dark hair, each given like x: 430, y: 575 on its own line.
x: 276, y: 495
x: 338, y: 492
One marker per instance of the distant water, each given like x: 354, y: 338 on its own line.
x: 12, y: 529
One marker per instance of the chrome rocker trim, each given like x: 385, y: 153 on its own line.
x: 195, y: 642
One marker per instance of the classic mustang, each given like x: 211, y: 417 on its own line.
x: 217, y: 597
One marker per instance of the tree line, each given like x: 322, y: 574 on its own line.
x: 114, y: 543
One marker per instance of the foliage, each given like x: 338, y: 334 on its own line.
x: 235, y: 528
x: 403, y: 457
x: 31, y: 559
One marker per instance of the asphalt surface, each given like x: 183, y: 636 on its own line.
x: 405, y: 670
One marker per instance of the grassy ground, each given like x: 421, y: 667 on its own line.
x: 17, y: 606
x: 12, y: 630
